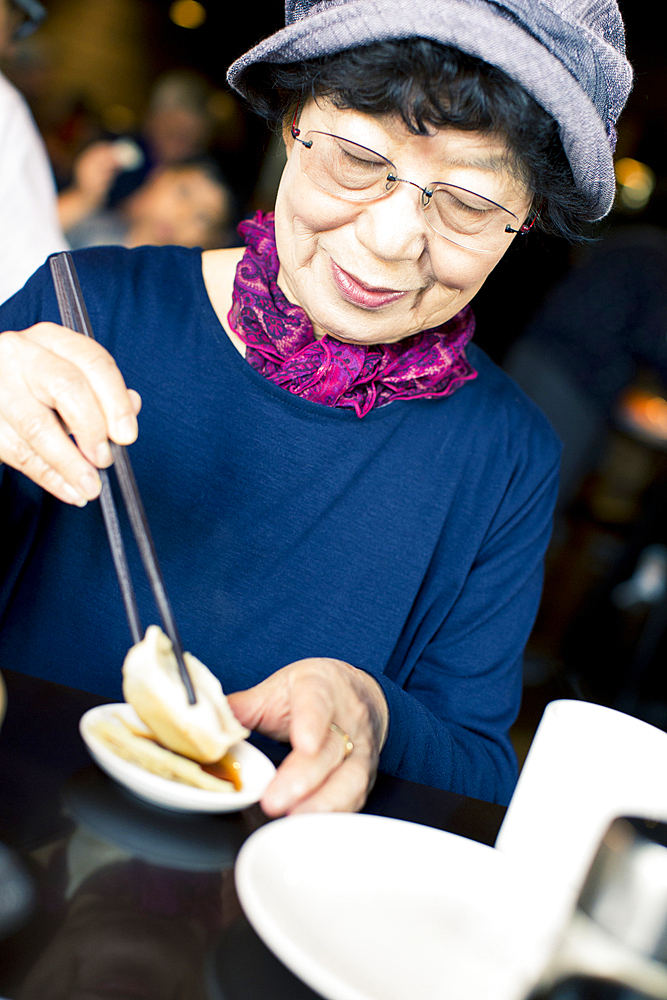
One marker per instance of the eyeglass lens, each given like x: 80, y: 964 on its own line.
x: 355, y: 173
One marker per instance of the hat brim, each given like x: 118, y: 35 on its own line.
x: 476, y: 28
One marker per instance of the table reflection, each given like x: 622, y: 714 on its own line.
x: 131, y: 901
x: 131, y: 930
x: 137, y: 903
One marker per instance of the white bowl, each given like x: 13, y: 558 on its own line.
x: 369, y: 908
x: 256, y: 771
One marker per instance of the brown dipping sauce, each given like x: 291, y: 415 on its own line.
x: 227, y: 768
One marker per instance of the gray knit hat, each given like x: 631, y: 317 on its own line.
x: 568, y: 54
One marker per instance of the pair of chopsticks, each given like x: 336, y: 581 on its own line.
x: 73, y: 314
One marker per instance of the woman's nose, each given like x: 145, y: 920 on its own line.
x: 394, y: 227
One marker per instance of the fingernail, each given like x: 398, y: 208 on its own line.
x: 103, y: 454
x: 274, y: 803
x: 90, y: 485
x: 75, y: 497
x: 272, y: 808
x: 126, y: 429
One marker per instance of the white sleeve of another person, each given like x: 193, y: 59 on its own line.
x: 29, y: 225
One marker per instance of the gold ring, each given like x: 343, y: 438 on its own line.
x: 349, y: 745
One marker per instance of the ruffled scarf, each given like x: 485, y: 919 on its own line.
x: 282, y: 347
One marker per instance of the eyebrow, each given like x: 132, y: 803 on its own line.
x: 494, y: 164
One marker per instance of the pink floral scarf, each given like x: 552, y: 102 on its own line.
x: 281, y: 344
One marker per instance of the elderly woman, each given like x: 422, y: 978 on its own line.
x: 351, y: 503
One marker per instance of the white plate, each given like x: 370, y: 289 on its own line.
x: 368, y: 908
x: 256, y: 771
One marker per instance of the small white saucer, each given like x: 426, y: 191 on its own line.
x: 256, y: 771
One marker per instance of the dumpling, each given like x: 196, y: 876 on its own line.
x: 152, y: 685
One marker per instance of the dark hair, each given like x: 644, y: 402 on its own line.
x: 206, y: 165
x: 210, y: 168
x: 429, y: 84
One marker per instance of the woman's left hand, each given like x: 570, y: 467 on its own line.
x: 298, y: 704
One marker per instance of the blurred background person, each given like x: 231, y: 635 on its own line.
x: 158, y: 186
x: 178, y: 126
x: 185, y: 204
x: 29, y: 225
x: 93, y: 174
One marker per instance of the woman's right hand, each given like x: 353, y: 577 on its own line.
x: 54, y: 382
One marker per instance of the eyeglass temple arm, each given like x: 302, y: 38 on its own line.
x: 296, y: 132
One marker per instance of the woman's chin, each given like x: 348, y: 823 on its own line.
x: 368, y: 341
x: 375, y: 329
x: 361, y: 338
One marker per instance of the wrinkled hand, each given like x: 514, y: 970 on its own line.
x: 298, y: 704
x: 52, y: 379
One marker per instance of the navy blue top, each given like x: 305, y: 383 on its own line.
x: 408, y: 543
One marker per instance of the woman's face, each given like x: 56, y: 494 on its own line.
x: 374, y: 272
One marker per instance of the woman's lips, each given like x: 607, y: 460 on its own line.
x: 359, y: 294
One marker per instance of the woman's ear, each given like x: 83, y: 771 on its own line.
x: 288, y: 138
x: 531, y: 217
x: 290, y: 127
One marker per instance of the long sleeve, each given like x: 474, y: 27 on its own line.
x: 29, y: 225
x: 451, y: 711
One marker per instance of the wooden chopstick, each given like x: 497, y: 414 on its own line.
x: 73, y: 314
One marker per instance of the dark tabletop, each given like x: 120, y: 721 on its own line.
x: 105, y: 897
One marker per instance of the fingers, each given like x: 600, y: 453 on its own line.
x: 316, y: 698
x: 135, y: 403
x: 345, y: 790
x: 63, y: 466
x: 264, y: 707
x: 87, y: 369
x: 53, y: 380
x: 299, y: 703
x: 301, y: 774
x: 329, y: 781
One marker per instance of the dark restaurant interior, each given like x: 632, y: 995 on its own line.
x: 591, y: 318
x: 586, y: 339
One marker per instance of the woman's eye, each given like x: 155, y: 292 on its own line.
x: 464, y: 206
x: 362, y: 159
x: 361, y: 162
x: 475, y: 205
x: 470, y: 210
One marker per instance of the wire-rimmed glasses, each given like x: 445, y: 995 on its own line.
x: 355, y: 173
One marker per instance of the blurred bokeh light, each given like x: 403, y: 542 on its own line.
x: 636, y: 182
x: 187, y: 13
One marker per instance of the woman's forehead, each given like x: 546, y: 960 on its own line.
x: 489, y: 149
x: 443, y: 148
